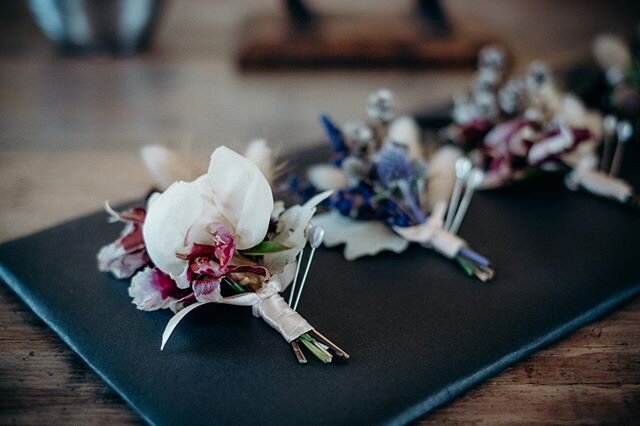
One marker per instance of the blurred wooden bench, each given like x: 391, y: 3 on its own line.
x: 300, y: 38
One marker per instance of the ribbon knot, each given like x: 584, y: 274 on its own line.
x: 431, y: 233
x: 266, y: 303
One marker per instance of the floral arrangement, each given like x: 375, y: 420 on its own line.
x: 219, y: 238
x: 621, y: 69
x: 385, y: 193
x: 518, y: 127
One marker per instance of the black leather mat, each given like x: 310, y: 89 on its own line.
x: 419, y: 331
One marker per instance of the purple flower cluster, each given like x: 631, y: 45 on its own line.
x: 336, y: 138
x: 386, y: 191
x: 392, y: 165
x: 360, y: 203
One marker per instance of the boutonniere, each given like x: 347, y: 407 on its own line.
x: 219, y: 238
x: 516, y: 128
x: 601, y: 177
x: 620, y: 73
x: 387, y: 196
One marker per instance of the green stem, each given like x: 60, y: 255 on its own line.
x: 319, y: 353
x: 465, y: 265
x: 235, y: 286
x: 305, y: 339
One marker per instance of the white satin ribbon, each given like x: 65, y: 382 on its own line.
x: 266, y: 303
x: 446, y: 243
x: 599, y: 183
x: 430, y: 233
x: 278, y: 314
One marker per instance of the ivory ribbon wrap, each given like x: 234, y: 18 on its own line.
x: 266, y: 303
x: 446, y: 243
x: 431, y: 234
x: 278, y: 314
x: 362, y: 238
x: 599, y: 184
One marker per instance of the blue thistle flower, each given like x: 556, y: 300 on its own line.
x: 360, y: 203
x: 393, y: 165
x: 357, y: 202
x: 394, y: 168
x: 301, y: 189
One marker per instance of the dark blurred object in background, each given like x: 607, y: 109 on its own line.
x: 301, y: 37
x: 114, y: 27
x: 610, y: 80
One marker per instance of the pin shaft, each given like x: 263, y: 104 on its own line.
x: 462, y: 209
x: 295, y: 279
x: 304, y: 278
x: 617, y: 159
x: 453, y: 202
x: 605, y: 153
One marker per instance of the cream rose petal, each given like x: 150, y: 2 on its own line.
x: 242, y: 194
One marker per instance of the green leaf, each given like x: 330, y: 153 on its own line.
x: 265, y: 247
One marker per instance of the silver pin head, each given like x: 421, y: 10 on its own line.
x: 609, y: 123
x: 463, y: 167
x: 624, y: 131
x: 315, y: 235
x: 476, y: 176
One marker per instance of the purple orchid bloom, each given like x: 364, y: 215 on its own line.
x: 208, y: 264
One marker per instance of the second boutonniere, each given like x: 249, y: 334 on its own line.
x: 220, y: 238
x: 387, y: 196
x: 517, y: 128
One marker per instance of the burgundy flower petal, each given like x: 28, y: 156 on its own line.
x: 135, y: 214
x: 208, y: 267
x: 131, y: 237
x: 166, y: 285
x: 152, y: 289
x: 556, y: 143
x: 207, y: 290
x: 225, y: 245
x: 200, y: 250
x: 472, y: 133
x: 115, y: 259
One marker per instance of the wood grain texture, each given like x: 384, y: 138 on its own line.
x: 69, y: 135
